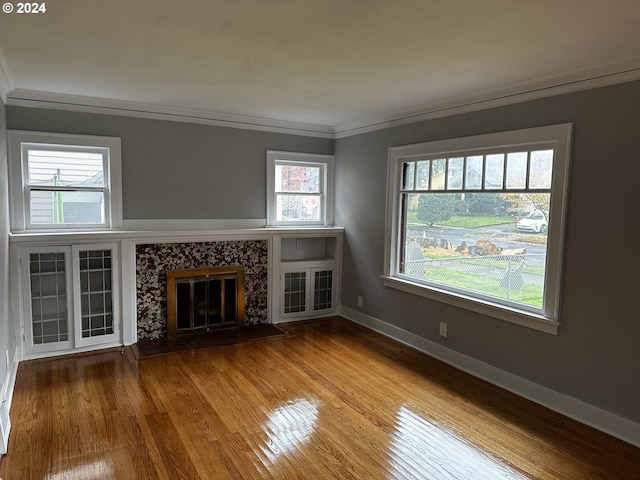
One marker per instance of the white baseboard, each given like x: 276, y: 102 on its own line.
x: 6, y: 397
x: 583, y: 412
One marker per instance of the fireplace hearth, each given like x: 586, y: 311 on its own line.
x: 204, y: 299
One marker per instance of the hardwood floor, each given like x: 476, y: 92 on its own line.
x: 329, y: 400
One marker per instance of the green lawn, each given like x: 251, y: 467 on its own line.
x: 528, y: 294
x: 466, y: 221
x: 496, y: 263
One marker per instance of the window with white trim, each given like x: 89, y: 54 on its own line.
x: 478, y: 222
x: 64, y: 181
x: 299, y: 189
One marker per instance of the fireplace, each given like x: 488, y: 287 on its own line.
x: 204, y: 299
x: 154, y: 260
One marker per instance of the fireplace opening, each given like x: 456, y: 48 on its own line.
x: 204, y: 299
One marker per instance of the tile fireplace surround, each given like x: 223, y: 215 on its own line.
x: 153, y: 260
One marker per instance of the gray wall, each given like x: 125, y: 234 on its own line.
x: 596, y: 356
x: 7, y: 334
x: 180, y: 170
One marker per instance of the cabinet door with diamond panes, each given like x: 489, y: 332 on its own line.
x: 48, y: 306
x: 96, y: 298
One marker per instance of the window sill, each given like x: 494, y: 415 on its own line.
x: 525, y: 319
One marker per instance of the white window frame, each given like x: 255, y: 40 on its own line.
x: 19, y: 144
x: 325, y: 162
x: 559, y: 136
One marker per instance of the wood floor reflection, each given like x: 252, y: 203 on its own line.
x: 330, y: 400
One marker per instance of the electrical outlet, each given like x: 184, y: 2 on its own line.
x: 359, y: 301
x: 443, y: 329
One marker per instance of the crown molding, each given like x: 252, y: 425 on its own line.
x: 6, y: 82
x: 542, y: 87
x: 77, y: 103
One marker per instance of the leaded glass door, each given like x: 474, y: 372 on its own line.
x: 295, y: 292
x: 48, y: 306
x: 322, y: 289
x: 96, y: 299
x: 71, y: 297
x: 307, y: 291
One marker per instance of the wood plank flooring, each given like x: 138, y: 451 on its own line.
x: 329, y: 400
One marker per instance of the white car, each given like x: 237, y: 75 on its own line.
x: 534, y: 222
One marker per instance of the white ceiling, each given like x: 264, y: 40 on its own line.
x: 321, y: 66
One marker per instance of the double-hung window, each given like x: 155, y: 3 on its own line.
x: 477, y: 222
x: 64, y: 181
x: 299, y: 189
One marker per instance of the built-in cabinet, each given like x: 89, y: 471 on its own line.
x: 307, y: 291
x: 70, y: 297
x: 309, y: 276
x: 78, y: 291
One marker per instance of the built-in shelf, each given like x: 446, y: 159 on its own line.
x: 310, y: 259
x: 308, y: 248
x: 315, y: 250
x: 308, y: 275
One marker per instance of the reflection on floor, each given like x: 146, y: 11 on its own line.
x: 289, y: 427
x: 419, y: 445
x: 328, y: 400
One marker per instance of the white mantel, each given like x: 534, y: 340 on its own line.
x: 168, y: 235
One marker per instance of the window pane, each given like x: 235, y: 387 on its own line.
x: 297, y: 178
x: 48, y: 207
x: 454, y: 173
x: 517, y: 170
x: 535, y: 214
x: 437, y: 174
x: 298, y: 208
x: 540, y: 169
x: 67, y: 168
x: 494, y: 172
x: 485, y: 243
x: 408, y: 175
x: 489, y: 252
x: 422, y: 178
x: 473, y: 173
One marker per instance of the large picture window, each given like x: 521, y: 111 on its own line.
x: 299, y: 188
x: 478, y: 222
x: 64, y: 181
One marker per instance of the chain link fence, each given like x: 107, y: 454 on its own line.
x: 514, y: 277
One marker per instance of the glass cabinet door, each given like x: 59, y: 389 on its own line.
x: 48, y: 305
x: 322, y: 289
x: 95, y: 275
x: 71, y: 297
x: 295, y: 292
x: 307, y: 291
